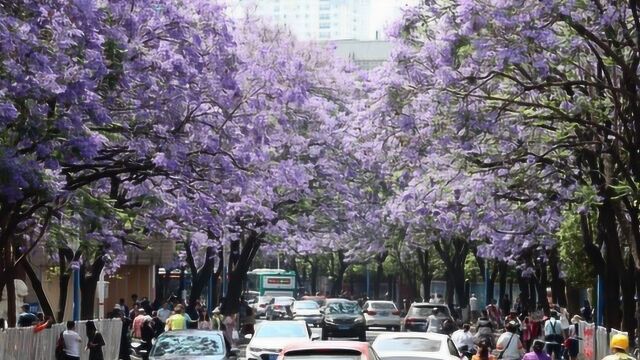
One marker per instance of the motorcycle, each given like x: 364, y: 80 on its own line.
x: 140, y: 349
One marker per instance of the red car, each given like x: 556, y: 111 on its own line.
x: 320, y: 350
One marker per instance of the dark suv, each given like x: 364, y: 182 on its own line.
x: 417, y: 318
x: 343, y: 319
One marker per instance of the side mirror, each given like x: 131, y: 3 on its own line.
x: 315, y: 337
x: 321, y: 310
x: 248, y: 337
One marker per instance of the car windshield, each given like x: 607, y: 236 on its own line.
x: 282, y: 301
x: 174, y: 344
x: 425, y: 311
x: 323, y: 357
x: 416, y: 344
x: 282, y: 330
x: 312, y: 305
x: 383, y: 306
x: 343, y: 308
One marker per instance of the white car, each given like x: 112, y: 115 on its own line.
x: 272, y: 336
x: 382, y: 314
x: 307, y: 310
x: 260, y: 306
x: 417, y: 346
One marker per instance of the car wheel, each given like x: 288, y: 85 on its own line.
x: 324, y: 335
x: 363, y: 336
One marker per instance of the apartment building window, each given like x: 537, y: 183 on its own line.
x: 325, y: 25
x: 324, y: 17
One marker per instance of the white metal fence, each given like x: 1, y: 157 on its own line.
x: 594, y: 343
x: 23, y: 343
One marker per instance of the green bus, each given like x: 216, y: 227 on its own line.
x: 271, y: 282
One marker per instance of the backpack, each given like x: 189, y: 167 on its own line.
x: 60, y: 347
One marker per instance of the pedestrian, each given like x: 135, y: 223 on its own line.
x: 509, y: 343
x: 156, y: 324
x: 484, y: 329
x: 432, y: 299
x: 26, y: 318
x: 527, y: 333
x: 177, y: 321
x: 483, y: 352
x: 230, y: 328
x: 44, y: 324
x: 72, y: 341
x: 123, y: 307
x: 463, y: 338
x: 146, y: 335
x: 619, y: 345
x: 473, y: 307
x: 249, y: 322
x: 138, y: 321
x: 572, y: 342
x: 204, y: 323
x: 95, y: 342
x: 125, y: 341
x: 494, y: 313
x: 553, y: 335
x: 164, y: 312
x: 217, y: 320
x: 538, y: 352
x: 433, y: 322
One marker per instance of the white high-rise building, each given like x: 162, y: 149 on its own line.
x: 326, y: 19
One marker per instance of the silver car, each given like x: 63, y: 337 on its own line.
x: 191, y: 344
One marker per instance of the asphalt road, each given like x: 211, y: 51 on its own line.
x: 371, y: 335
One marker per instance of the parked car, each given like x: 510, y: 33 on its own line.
x: 272, y: 336
x: 418, y: 314
x: 279, y: 308
x: 191, y: 344
x: 319, y: 350
x: 418, y: 346
x: 343, y: 319
x: 382, y: 313
x: 307, y: 310
x: 260, y: 305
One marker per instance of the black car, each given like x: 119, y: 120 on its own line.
x: 417, y: 318
x: 343, y: 319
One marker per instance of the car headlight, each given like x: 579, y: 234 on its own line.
x: 328, y: 320
x: 359, y: 320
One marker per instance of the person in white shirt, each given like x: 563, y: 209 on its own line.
x: 473, y: 307
x: 463, y: 338
x: 164, y: 313
x: 553, y: 335
x: 509, y: 344
x: 72, y: 341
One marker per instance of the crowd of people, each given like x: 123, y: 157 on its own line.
x: 523, y: 335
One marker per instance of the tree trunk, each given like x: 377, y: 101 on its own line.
x: 492, y: 281
x: 573, y: 304
x: 502, y: 281
x: 11, y: 294
x: 238, y: 273
x: 525, y: 295
x: 88, y: 286
x: 36, y: 284
x: 199, y: 277
x: 336, y: 288
x: 541, y: 286
x: 315, y: 268
x: 558, y: 285
x: 426, y: 272
x: 379, y: 274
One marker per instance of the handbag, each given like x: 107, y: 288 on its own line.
x: 60, y: 347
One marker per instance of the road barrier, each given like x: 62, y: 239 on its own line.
x: 23, y: 343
